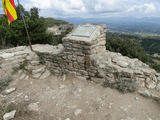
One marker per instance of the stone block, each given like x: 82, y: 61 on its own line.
x: 35, y: 63
x: 39, y: 70
x: 45, y: 74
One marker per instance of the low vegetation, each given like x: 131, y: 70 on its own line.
x: 151, y: 43
x: 14, y: 34
x: 6, y: 109
x: 22, y: 66
x: 131, y: 47
x: 4, y: 83
x: 51, y: 22
x: 124, y: 86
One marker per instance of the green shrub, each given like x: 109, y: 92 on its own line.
x: 15, y: 34
x: 127, y: 47
x: 4, y: 83
x: 156, y: 66
x: 124, y: 86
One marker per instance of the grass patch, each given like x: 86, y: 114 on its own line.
x: 4, y: 83
x: 52, y: 71
x: 6, y: 109
x: 22, y: 66
x: 124, y: 86
x: 41, y: 59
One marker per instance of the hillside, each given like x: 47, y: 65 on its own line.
x: 151, y: 43
x: 51, y: 22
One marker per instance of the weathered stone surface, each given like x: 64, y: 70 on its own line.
x: 9, y: 91
x: 37, y: 76
x: 158, y: 87
x: 10, y: 115
x: 40, y: 70
x: 45, y: 74
x: 121, y: 61
x: 34, y: 63
x: 150, y: 84
x: 6, y: 55
x: 77, y: 112
x: 145, y: 93
x: 33, y: 107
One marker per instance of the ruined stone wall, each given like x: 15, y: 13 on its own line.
x: 24, y: 62
x: 81, y: 56
x: 76, y: 55
x: 89, y: 59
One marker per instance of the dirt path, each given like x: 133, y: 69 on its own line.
x: 78, y: 99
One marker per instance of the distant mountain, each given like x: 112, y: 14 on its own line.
x: 51, y: 22
x: 149, y: 25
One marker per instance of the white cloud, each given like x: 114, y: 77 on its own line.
x: 147, y: 9
x: 39, y: 3
x: 150, y: 8
x: 90, y: 8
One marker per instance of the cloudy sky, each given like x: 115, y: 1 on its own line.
x: 95, y: 8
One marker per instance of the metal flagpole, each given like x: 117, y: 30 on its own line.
x: 28, y: 37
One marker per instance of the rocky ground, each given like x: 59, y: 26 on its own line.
x: 70, y: 98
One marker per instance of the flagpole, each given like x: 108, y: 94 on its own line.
x: 28, y: 37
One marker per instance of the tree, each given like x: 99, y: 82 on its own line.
x: 3, y: 31
x: 127, y: 47
x: 25, y: 13
x: 34, y: 13
x: 15, y: 34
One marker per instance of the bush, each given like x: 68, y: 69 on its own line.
x: 156, y: 66
x: 131, y: 48
x: 127, y: 47
x: 15, y: 34
x: 123, y: 86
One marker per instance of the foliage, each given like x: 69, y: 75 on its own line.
x: 51, y: 22
x: 22, y: 66
x: 4, y: 83
x: 57, y: 39
x: 41, y: 58
x: 6, y: 109
x: 127, y: 47
x: 124, y: 86
x: 151, y: 43
x: 15, y: 34
x: 156, y: 66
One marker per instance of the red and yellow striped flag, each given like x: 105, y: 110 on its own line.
x: 10, y: 10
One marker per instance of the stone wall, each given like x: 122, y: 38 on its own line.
x: 25, y: 62
x: 76, y: 55
x: 87, y: 57
x: 81, y: 56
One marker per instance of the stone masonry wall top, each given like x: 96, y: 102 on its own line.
x: 98, y: 31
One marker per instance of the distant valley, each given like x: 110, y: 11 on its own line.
x: 148, y: 25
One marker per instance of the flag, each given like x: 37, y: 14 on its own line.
x: 10, y: 10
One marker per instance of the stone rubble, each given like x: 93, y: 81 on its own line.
x: 67, y: 119
x: 33, y: 107
x: 77, y: 112
x: 10, y: 115
x: 9, y: 91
